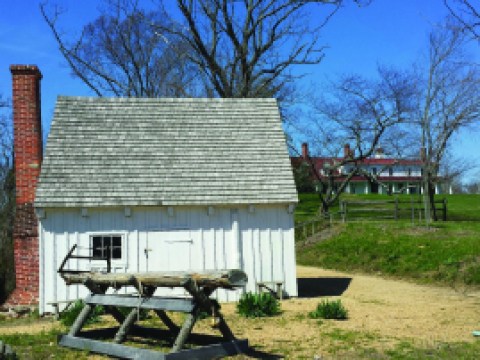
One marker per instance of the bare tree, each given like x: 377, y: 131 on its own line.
x: 473, y: 187
x: 122, y: 54
x: 6, y: 149
x: 247, y: 48
x: 361, y: 113
x: 7, y: 201
x: 448, y: 100
x: 451, y: 170
x: 467, y: 13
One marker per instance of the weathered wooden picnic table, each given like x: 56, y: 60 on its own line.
x: 199, y: 285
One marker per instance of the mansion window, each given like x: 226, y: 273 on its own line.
x: 390, y: 172
x: 106, y: 246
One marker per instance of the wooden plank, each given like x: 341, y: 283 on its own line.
x: 118, y: 350
x: 228, y: 348
x: 214, y: 351
x: 151, y: 303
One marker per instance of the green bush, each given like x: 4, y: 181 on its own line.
x: 68, y: 316
x: 329, y: 310
x: 258, y: 305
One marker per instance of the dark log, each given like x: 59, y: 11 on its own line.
x: 214, y: 279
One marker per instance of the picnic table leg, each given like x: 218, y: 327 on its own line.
x: 133, y: 315
x: 125, y: 326
x: 185, y: 330
x: 224, y: 328
x: 80, y: 320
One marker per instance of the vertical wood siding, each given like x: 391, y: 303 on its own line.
x: 260, y: 241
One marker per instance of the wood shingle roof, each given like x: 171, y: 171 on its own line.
x: 138, y: 151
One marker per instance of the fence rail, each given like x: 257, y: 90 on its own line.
x: 309, y: 228
x: 396, y: 209
x: 369, y: 210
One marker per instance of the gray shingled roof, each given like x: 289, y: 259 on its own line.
x: 134, y: 151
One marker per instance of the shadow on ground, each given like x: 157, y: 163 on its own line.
x: 314, y: 287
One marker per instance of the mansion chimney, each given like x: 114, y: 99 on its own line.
x: 305, y: 154
x: 27, y: 161
x: 347, y: 152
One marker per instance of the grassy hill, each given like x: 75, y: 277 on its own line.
x: 446, y: 253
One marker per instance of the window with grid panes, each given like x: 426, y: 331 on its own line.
x: 107, y: 246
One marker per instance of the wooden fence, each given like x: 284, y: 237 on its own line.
x: 389, y: 209
x: 309, y: 228
x: 349, y: 210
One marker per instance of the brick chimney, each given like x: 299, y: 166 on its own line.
x: 305, y: 153
x: 347, y: 152
x: 28, y: 158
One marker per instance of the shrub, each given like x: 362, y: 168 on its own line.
x: 68, y: 316
x: 329, y: 310
x: 258, y: 305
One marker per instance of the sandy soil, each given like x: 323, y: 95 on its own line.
x: 402, y: 309
x: 382, y: 314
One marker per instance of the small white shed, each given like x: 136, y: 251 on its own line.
x: 167, y: 184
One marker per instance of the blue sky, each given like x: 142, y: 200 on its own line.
x: 390, y: 32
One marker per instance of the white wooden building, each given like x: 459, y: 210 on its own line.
x: 167, y: 184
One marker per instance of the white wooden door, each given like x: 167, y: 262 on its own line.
x: 169, y: 250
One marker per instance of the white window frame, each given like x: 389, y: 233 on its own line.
x: 115, y: 263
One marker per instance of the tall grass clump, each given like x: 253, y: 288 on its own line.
x: 329, y: 310
x: 258, y: 305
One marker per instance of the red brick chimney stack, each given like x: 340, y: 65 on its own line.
x: 347, y: 152
x: 28, y: 159
x: 305, y: 153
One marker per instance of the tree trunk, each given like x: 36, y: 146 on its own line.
x: 218, y: 278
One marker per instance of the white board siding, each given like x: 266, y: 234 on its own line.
x: 260, y: 241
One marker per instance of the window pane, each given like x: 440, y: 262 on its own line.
x: 97, y: 246
x: 116, y: 247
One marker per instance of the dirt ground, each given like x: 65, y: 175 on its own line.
x: 402, y: 309
x: 382, y: 314
x: 383, y: 311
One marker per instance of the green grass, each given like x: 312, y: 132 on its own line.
x: 347, y: 344
x: 40, y: 346
x: 448, y: 253
x: 441, y: 351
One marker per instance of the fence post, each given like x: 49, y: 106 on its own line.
x: 444, y: 209
x: 395, y: 215
x: 344, y: 211
x: 413, y: 210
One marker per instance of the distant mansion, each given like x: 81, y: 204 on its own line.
x: 393, y: 175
